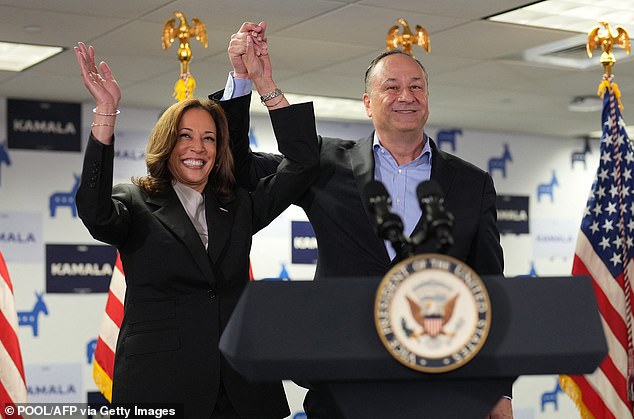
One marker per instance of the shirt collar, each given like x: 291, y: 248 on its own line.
x: 425, y: 154
x: 191, y: 197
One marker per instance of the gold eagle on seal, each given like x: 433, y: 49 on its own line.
x: 431, y: 320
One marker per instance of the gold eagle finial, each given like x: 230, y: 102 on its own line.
x: 606, y: 38
x: 184, y: 87
x: 183, y: 32
x: 407, y: 39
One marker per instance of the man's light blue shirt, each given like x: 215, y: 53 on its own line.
x: 236, y: 87
x: 401, y: 183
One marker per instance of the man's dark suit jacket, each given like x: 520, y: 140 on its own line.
x: 344, y: 226
x: 347, y: 243
x: 180, y: 296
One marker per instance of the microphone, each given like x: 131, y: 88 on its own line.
x: 438, y: 221
x: 389, y: 225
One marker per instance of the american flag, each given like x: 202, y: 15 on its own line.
x: 604, y: 252
x: 12, y: 382
x: 103, y: 365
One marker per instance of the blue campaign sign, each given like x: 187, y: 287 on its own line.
x: 512, y: 212
x: 37, y: 125
x: 79, y: 268
x: 304, y: 243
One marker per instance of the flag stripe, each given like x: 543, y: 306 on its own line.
x: 104, y: 356
x: 9, y: 320
x: 592, y: 400
x: 114, y: 308
x: 5, y: 400
x: 608, y: 395
x: 103, y: 366
x: 11, y: 378
x: 615, y: 364
x: 118, y: 287
x: 599, y: 273
x: 12, y: 382
x: 108, y: 333
x: 594, y: 267
x: 616, y: 377
x: 615, y: 322
x: 4, y: 273
x: 9, y: 342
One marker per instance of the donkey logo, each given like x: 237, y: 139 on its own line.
x: 547, y: 188
x: 448, y: 136
x: 499, y: 163
x: 64, y: 199
x: 551, y: 397
x: 30, y: 318
x: 580, y: 156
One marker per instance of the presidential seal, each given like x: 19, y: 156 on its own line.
x: 432, y: 313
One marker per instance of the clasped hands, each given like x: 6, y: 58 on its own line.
x: 248, y: 52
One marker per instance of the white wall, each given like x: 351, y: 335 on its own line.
x: 59, y: 354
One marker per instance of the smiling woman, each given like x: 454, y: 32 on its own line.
x: 190, y: 143
x: 183, y: 232
x: 194, y: 154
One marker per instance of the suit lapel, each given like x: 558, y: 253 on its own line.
x: 362, y: 162
x: 440, y: 172
x: 172, y: 215
x: 219, y: 224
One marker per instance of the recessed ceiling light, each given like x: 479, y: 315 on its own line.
x: 18, y: 57
x: 585, y: 104
x: 578, y: 16
x: 596, y: 135
x: 570, y: 52
x: 325, y: 107
x: 32, y: 29
x: 571, y: 15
